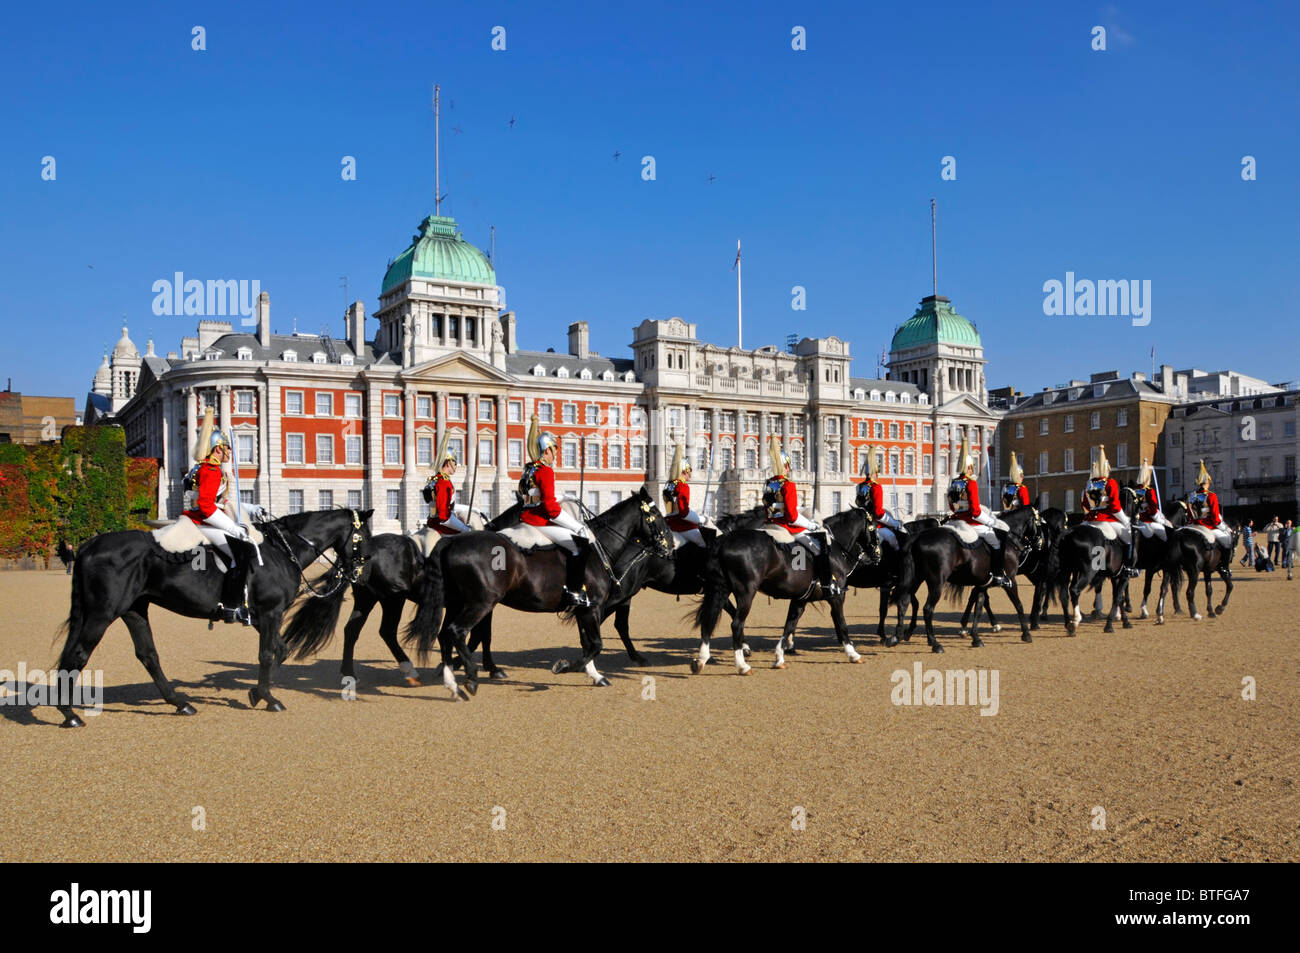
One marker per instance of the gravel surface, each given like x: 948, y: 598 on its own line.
x: 814, y: 762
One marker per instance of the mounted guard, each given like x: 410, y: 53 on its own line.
x: 543, y: 511
x: 871, y: 498
x: 445, y: 515
x: 686, y: 524
x: 1204, y: 508
x: 781, y: 502
x: 212, y: 452
x: 1151, y: 520
x: 1015, y: 494
x: 1102, y: 504
x: 964, y: 505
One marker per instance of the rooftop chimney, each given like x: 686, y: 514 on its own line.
x: 354, y: 327
x: 579, y: 340
x: 508, y: 331
x: 264, y: 319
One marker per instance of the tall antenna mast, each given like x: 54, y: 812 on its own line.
x: 492, y: 249
x: 934, y: 252
x: 740, y: 326
x: 437, y: 190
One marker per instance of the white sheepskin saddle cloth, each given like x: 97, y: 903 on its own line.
x: 965, y: 532
x: 783, y: 537
x: 1206, y: 533
x: 1111, y: 530
x: 182, y: 535
x: 426, y: 539
x: 1152, y: 529
x: 525, y: 536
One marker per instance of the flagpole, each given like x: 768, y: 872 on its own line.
x: 740, y: 327
x: 437, y: 190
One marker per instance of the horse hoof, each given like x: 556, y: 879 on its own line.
x: 936, y: 649
x: 274, y: 705
x: 1143, y: 613
x: 1033, y: 627
x: 638, y: 659
x: 963, y: 633
x: 559, y: 667
x: 977, y: 643
x: 472, y: 687
x: 1069, y: 630
x: 791, y: 651
x: 998, y: 627
x: 461, y: 694
x: 744, y: 671
x: 1196, y: 617
x: 253, y: 697
x: 1128, y: 624
x: 185, y: 709
x: 696, y: 666
x: 1160, y: 620
x: 411, y: 681
x: 603, y: 682
x: 498, y: 674
x: 778, y: 665
x: 747, y: 650
x: 72, y: 721
x: 1109, y: 627
x: 1026, y: 637
x: 856, y: 660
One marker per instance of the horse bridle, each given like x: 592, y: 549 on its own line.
x: 341, y: 575
x: 643, y: 550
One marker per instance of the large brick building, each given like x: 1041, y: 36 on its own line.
x: 26, y: 418
x: 320, y: 421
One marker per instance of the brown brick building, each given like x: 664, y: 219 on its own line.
x: 1056, y: 433
x: 28, y: 419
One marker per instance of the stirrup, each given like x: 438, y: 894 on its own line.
x: 576, y: 600
x: 232, y: 614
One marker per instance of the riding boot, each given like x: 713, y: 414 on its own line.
x: 233, y: 606
x: 575, y: 575
x: 996, y: 575
x: 825, y: 573
x: 1130, y: 561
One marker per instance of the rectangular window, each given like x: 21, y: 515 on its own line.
x: 1069, y: 423
x: 1288, y: 428
x: 1094, y: 420
x: 352, y: 449
x: 908, y: 503
x: 516, y: 411
x: 245, y: 445
x: 593, y: 501
x: 485, y: 451
x: 837, y: 501
x: 833, y: 464
x: 489, y: 501
x: 1241, y: 469
x: 615, y: 496
x: 1288, y: 466
x: 1045, y: 500
x: 324, y: 448
x: 209, y: 399
x: 455, y: 408
x: 1067, y: 464
x: 424, y: 451
x: 1042, y: 461
x: 615, y: 456
x: 456, y: 447
x: 515, y: 451
x: 833, y: 430
x: 293, y: 448
x: 392, y: 406
x: 1069, y: 500
x: 295, y: 501
x: 546, y: 412
x: 943, y: 466
x: 926, y: 465
x: 909, y: 433
x: 593, y: 456
x: 1176, y: 439
x: 927, y: 433
x: 484, y: 408
x: 244, y: 402
x: 424, y: 407
x: 862, y: 429
x: 392, y: 450
x: 1092, y: 456
x: 570, y: 412
x: 1176, y: 476
x: 880, y: 430
x: 354, y: 499
x: 324, y: 404
x: 909, y: 465
x: 293, y: 402
x: 893, y: 430
x: 615, y: 416
x: 325, y: 499
x: 1042, y: 425
x: 1020, y: 430
x: 592, y: 415
x: 352, y: 405
x: 394, y: 499
x: 1121, y: 418
x: 675, y: 417
x: 751, y: 458
x: 637, y: 418
x: 638, y: 457
x: 570, y: 454
x: 1121, y: 455
x: 247, y: 497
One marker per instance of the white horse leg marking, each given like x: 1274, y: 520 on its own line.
x: 741, y: 665
x: 778, y: 662
x: 594, y: 675
x: 449, y: 680
x: 851, y: 652
x: 704, y: 653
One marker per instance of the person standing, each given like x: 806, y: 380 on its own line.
x: 1248, y: 541
x: 1274, y: 535
x: 1290, y: 539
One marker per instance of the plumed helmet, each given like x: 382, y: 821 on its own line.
x: 778, y: 457
x: 209, y: 438
x: 539, y: 441
x: 872, y: 467
x: 1144, y: 473
x: 675, y: 470
x: 1016, y: 472
x: 1203, y: 476
x: 965, y: 459
x: 444, y: 451
x: 1101, y: 466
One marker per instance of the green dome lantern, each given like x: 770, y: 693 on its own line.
x: 439, y: 252
x: 935, y: 322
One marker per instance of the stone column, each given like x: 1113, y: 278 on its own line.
x: 471, y: 431
x: 263, y: 449
x: 440, y: 425
x: 375, y: 485
x: 410, y: 491
x: 692, y: 412
x: 762, y: 439
x: 846, y: 448
x: 503, y: 456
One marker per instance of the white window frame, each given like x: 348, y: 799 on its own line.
x: 302, y: 449
x: 324, y: 440
x: 393, y: 459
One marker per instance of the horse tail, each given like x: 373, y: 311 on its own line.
x: 313, y: 624
x: 424, y: 628
x: 716, y: 593
x: 70, y: 627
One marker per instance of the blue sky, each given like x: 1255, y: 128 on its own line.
x: 226, y: 164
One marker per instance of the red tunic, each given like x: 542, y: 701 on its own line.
x: 209, y: 485
x: 682, y: 504
x: 1022, y: 494
x: 1106, y: 514
x: 789, y: 503
x: 1150, y: 508
x: 1213, y: 519
x: 545, y: 510
x: 443, y: 491
x: 876, y: 500
x: 973, y: 496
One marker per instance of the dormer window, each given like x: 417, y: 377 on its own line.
x: 211, y: 355
x: 539, y: 371
x: 629, y: 377
x: 907, y: 398
x: 607, y: 376
x: 875, y: 395
x: 346, y: 359
x: 562, y: 372
x: 859, y: 394
x: 585, y: 374
x: 290, y: 356
x: 245, y: 353
x: 890, y: 397
x: 318, y: 357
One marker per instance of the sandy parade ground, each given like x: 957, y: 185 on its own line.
x: 1145, y: 732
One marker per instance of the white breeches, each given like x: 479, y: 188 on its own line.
x: 562, y: 530
x: 805, y: 522
x: 454, y: 523
x: 985, y: 524
x: 1222, y: 534
x: 1153, y: 528
x: 887, y: 535
x: 217, y: 527
x: 889, y: 520
x: 688, y: 536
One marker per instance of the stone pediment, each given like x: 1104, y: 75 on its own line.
x: 963, y: 404
x: 458, y: 366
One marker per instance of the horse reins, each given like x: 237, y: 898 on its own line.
x: 339, y: 572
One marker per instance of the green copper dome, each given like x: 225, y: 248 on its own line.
x: 439, y: 251
x: 935, y: 322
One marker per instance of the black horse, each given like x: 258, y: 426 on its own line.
x: 940, y: 559
x: 120, y: 575
x: 1191, y: 553
x: 467, y: 576
x: 1087, y: 554
x: 748, y: 562
x: 883, y: 573
x: 1040, y: 567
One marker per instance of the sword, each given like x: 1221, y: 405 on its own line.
x: 239, y: 502
x: 708, y: 483
x: 582, y: 473
x: 473, y: 486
